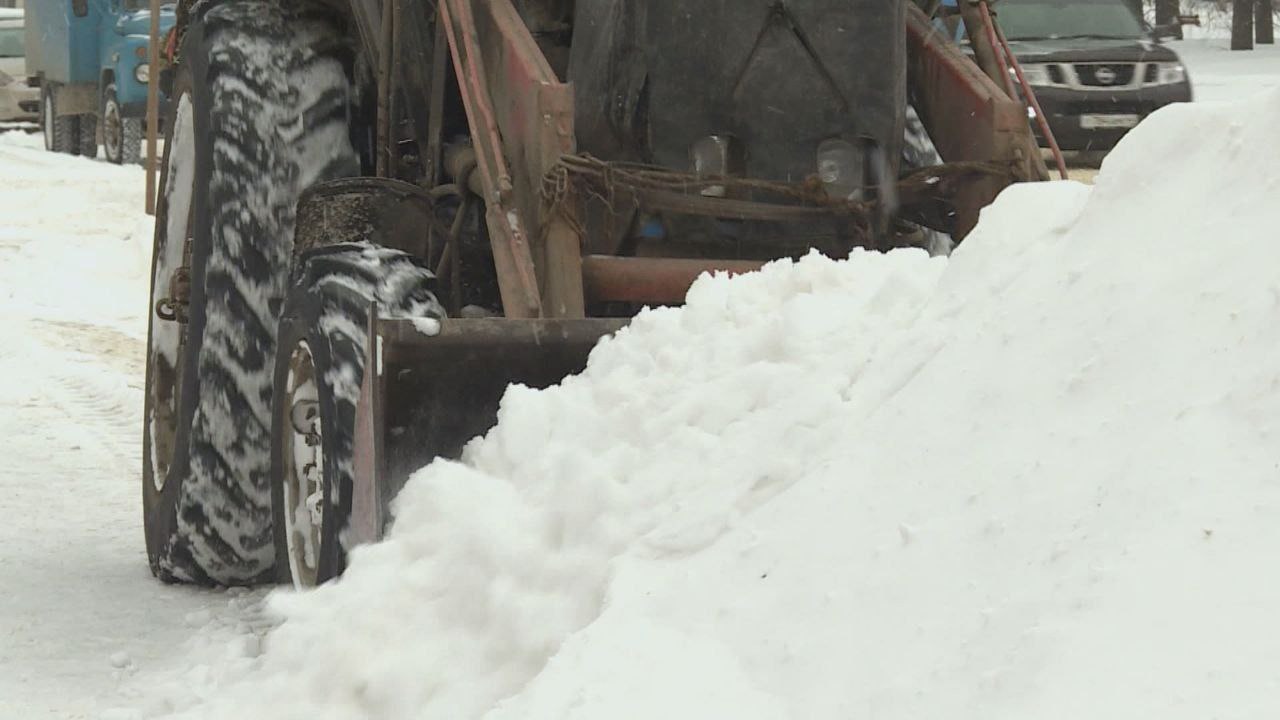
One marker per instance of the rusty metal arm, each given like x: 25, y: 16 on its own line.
x: 521, y: 119
x: 968, y: 116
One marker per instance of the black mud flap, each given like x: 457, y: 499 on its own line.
x: 427, y: 393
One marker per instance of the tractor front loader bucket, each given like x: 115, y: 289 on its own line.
x: 427, y: 393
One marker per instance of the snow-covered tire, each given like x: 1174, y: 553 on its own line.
x: 121, y: 136
x: 267, y: 102
x: 61, y: 133
x: 319, y: 369
x: 87, y: 136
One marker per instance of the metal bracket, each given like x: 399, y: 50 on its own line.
x: 176, y: 307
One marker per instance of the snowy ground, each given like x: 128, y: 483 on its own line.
x: 1218, y: 73
x: 86, y: 632
x: 79, y: 611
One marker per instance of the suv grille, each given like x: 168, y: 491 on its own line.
x: 1110, y: 75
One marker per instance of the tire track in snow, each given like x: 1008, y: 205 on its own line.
x: 98, y: 385
x: 116, y: 425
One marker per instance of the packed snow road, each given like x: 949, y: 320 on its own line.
x: 79, y: 611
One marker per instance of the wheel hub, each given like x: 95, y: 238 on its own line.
x: 112, y: 130
x: 171, y: 285
x: 303, y: 459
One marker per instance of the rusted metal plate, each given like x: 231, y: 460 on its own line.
x: 534, y: 112
x: 370, y: 493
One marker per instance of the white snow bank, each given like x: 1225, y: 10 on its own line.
x: 1038, y: 481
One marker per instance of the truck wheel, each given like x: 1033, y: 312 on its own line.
x: 121, y: 136
x: 60, y: 133
x: 319, y: 369
x: 87, y: 137
x: 260, y: 113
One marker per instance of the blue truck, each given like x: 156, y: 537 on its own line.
x: 90, y: 59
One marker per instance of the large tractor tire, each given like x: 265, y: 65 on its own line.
x: 319, y: 368
x: 261, y: 111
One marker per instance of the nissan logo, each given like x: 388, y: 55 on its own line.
x: 1105, y: 75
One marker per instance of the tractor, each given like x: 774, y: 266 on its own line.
x: 373, y: 216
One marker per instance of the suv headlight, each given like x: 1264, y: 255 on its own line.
x: 142, y: 73
x: 1171, y: 74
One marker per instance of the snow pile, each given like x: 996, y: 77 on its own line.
x: 1037, y: 480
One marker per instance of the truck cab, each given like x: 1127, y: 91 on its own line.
x: 90, y: 59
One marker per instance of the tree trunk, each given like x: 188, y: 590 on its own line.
x: 1242, y: 24
x: 1264, y: 21
x: 1136, y: 7
x: 1167, y: 16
